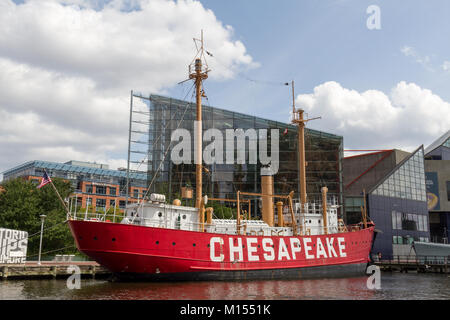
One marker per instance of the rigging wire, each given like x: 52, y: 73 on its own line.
x: 34, y: 234
x: 245, y: 77
x: 34, y: 255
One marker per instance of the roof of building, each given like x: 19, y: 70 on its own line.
x: 372, y: 166
x: 75, y: 169
x: 439, y: 142
x: 367, y: 153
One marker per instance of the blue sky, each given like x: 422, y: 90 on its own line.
x: 312, y: 42
x: 68, y: 67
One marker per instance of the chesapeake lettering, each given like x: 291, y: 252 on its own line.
x: 280, y: 249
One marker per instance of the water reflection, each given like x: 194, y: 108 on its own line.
x: 393, y: 286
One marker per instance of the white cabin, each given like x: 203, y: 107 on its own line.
x: 312, y: 219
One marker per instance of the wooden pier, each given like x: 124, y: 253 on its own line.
x: 415, y: 263
x: 51, y: 269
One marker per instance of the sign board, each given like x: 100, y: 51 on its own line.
x: 431, y: 181
x: 13, y: 246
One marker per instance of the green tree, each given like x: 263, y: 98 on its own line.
x: 21, y: 205
x: 221, y: 211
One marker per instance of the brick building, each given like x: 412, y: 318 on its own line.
x: 95, y: 184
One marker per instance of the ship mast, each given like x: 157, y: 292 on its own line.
x: 300, y: 121
x: 198, y: 75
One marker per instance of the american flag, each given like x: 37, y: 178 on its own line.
x: 45, y: 179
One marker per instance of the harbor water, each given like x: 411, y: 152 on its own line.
x: 394, y: 286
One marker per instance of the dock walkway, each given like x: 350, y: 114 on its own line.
x: 51, y: 269
x: 421, y: 264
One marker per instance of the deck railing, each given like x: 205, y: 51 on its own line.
x: 246, y: 226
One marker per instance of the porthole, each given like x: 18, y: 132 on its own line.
x: 184, y: 216
x: 95, y: 238
x: 157, y: 242
x: 113, y: 239
x: 160, y: 214
x: 173, y: 243
x: 193, y: 244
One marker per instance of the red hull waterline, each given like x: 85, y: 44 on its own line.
x: 138, y: 252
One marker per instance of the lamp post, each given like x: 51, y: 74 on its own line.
x: 42, y: 230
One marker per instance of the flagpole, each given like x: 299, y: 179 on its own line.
x: 59, y: 196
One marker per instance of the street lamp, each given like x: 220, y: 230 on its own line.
x: 42, y: 230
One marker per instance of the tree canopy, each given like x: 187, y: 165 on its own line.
x: 21, y: 205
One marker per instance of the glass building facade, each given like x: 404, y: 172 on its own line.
x: 407, y: 182
x: 324, y: 153
x: 398, y: 206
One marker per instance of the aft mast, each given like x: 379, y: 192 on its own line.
x: 298, y: 119
x: 198, y: 75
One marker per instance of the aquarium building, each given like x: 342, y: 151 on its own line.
x: 324, y: 152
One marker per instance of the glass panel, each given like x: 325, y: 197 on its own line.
x: 399, y: 220
x: 394, y: 220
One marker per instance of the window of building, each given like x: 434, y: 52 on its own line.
x: 425, y: 223
x: 447, y: 143
x: 112, y: 191
x: 396, y: 220
x: 397, y: 240
x: 89, y: 188
x: 408, y: 221
x: 112, y: 203
x: 122, y: 204
x: 100, y: 189
x: 421, y: 226
x: 100, y: 203
x: 136, y: 193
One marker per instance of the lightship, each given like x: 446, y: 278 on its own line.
x: 157, y: 240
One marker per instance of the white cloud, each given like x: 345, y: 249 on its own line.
x: 446, y: 66
x: 68, y: 67
x: 406, y: 118
x: 424, y: 61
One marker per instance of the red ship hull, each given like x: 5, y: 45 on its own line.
x: 139, y: 252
